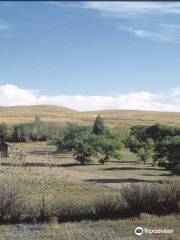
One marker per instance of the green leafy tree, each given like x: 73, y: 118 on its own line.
x: 146, y: 152
x: 86, y: 142
x: 71, y: 133
x: 19, y: 133
x: 168, y: 153
x: 6, y: 132
x: 139, y: 132
x: 133, y: 144
x: 37, y: 132
x: 84, y: 146
x: 98, y: 127
x: 109, y: 147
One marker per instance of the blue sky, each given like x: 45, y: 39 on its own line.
x: 90, y: 55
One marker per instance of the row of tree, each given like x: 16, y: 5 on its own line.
x: 35, y: 131
x: 159, y: 143
x: 87, y: 143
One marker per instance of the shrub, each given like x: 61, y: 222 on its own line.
x: 16, y: 204
x: 156, y: 199
x: 108, y: 207
x: 176, y: 170
x: 73, y: 211
x: 10, y: 201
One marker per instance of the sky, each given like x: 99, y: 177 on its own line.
x: 91, y: 55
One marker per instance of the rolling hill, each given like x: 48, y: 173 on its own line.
x: 60, y: 115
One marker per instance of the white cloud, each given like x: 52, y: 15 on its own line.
x: 138, y: 15
x: 131, y: 9
x: 166, y: 32
x: 11, y: 95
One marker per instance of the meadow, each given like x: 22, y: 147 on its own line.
x: 45, y: 194
x: 80, y: 202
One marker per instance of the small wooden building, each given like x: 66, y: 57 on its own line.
x: 3, y: 149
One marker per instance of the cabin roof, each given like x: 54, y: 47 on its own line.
x: 5, y: 143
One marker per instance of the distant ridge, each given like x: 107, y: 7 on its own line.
x: 61, y: 115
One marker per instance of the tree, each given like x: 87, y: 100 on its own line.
x: 168, y: 153
x: 71, y: 133
x: 139, y: 132
x: 79, y: 140
x: 19, y: 134
x: 6, y: 132
x: 98, y: 127
x: 38, y: 130
x: 84, y: 146
x: 133, y: 144
x: 109, y: 147
x: 146, y: 152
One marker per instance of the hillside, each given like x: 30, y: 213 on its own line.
x: 24, y: 114
x: 61, y: 115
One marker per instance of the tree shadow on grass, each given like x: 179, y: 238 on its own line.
x: 29, y: 164
x: 70, y: 165
x: 59, y: 156
x: 154, y: 175
x: 132, y: 168
x: 40, y: 164
x: 115, y: 180
x: 122, y: 161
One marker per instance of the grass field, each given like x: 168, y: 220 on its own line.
x: 38, y: 156
x: 65, y: 183
x: 100, y: 230
x: 122, y: 119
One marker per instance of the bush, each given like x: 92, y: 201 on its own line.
x: 176, y: 170
x: 73, y: 211
x: 20, y: 203
x: 10, y: 201
x: 156, y: 199
x: 109, y: 207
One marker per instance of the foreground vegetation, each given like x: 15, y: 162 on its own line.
x: 40, y: 198
x: 99, y: 230
x: 38, y: 203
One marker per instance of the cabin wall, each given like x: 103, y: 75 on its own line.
x: 3, y: 154
x: 3, y: 151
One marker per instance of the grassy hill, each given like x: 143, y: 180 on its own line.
x: 60, y: 115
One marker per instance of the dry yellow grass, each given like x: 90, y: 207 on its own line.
x: 113, y: 118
